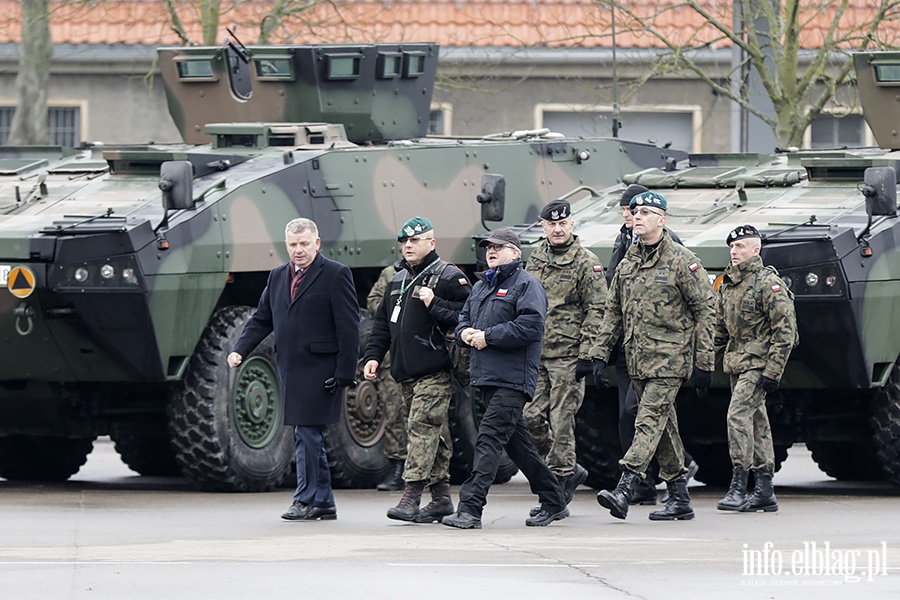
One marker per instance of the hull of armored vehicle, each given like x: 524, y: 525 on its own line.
x: 122, y: 301
x: 839, y: 393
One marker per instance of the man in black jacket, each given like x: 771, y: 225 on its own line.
x: 420, y: 305
x: 503, y: 321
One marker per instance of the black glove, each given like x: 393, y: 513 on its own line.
x: 333, y: 382
x: 701, y: 380
x: 583, y: 368
x: 768, y: 384
x: 597, y: 369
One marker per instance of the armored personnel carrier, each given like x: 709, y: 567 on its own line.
x: 130, y: 271
x: 830, y: 227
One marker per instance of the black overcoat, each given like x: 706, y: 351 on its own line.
x: 316, y: 337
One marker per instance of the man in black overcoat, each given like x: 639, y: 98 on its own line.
x: 311, y: 306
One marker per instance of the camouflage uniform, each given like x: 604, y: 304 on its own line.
x: 755, y: 329
x: 396, y: 410
x: 576, y: 292
x: 661, y: 301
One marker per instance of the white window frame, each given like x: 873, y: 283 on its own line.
x: 868, y: 136
x: 694, y: 110
x: 81, y: 105
x: 446, y: 110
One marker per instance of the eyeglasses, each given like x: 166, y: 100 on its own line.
x: 643, y: 211
x: 496, y: 247
x: 414, y: 240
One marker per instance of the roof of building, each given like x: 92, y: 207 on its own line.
x: 450, y: 23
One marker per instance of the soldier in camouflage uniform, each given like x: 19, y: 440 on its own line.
x: 396, y: 410
x: 661, y: 301
x: 420, y: 305
x: 756, y: 329
x: 576, y: 292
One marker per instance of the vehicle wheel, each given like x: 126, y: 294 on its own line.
x: 597, y: 443
x: 355, y: 446
x: 847, y: 460
x: 715, y: 462
x: 152, y: 454
x: 227, y: 425
x: 42, y: 458
x: 465, y: 417
x: 886, y: 422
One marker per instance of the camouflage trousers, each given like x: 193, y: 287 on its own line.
x: 656, y: 429
x: 430, y: 447
x: 550, y: 416
x: 749, y: 434
x: 396, y: 412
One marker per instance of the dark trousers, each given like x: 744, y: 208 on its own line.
x: 503, y: 426
x: 313, y: 476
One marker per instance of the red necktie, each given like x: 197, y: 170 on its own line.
x: 296, y: 281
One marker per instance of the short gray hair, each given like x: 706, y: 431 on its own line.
x: 301, y: 224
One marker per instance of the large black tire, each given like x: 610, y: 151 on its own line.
x: 355, y: 446
x: 227, y: 425
x: 715, y: 462
x: 847, y: 460
x: 886, y: 423
x: 597, y: 443
x: 464, y: 419
x: 42, y: 458
x: 150, y: 453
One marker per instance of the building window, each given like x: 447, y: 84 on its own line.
x: 672, y: 126
x: 63, y: 123
x: 830, y: 131
x: 439, y: 119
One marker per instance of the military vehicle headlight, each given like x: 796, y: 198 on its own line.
x: 812, y: 279
x: 110, y: 274
x: 820, y: 280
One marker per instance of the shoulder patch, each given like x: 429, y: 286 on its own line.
x: 694, y: 267
x: 776, y: 288
x: 501, y: 293
x: 598, y: 268
x: 463, y: 281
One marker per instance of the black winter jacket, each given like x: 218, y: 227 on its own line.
x: 511, y: 312
x: 416, y: 340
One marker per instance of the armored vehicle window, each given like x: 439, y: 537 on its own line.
x: 196, y: 69
x: 343, y: 66
x: 887, y: 73
x: 414, y: 64
x: 274, y: 69
x: 389, y: 65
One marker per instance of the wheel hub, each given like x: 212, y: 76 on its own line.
x: 365, y: 415
x: 257, y: 404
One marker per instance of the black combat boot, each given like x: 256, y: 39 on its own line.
x: 617, y: 500
x: 393, y: 482
x: 736, y: 496
x: 408, y: 507
x: 679, y: 505
x: 645, y: 494
x: 569, y: 484
x: 763, y: 498
x: 440, y: 506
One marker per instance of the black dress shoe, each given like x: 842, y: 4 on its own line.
x: 462, y: 520
x: 321, y: 513
x: 297, y: 512
x: 545, y: 517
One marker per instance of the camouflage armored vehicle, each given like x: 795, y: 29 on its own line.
x: 830, y: 227
x: 130, y: 271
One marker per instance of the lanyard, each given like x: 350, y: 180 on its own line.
x: 404, y: 288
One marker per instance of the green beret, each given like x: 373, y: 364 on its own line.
x: 414, y: 227
x: 651, y: 199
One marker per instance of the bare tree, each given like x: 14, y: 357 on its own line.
x: 29, y: 125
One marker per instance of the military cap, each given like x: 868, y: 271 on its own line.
x: 414, y: 226
x: 502, y: 237
x: 739, y: 233
x: 556, y: 211
x: 630, y: 192
x: 651, y: 199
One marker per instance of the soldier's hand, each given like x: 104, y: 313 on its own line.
x: 426, y: 295
x: 234, y: 359
x: 701, y: 380
x: 370, y: 370
x: 597, y: 368
x: 768, y: 384
x: 583, y: 368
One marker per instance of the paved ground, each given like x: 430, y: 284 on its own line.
x: 108, y: 533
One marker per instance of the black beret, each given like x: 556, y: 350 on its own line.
x: 741, y: 232
x: 632, y: 191
x: 556, y: 211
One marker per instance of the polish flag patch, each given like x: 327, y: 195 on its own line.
x: 776, y: 288
x: 463, y: 281
x: 501, y: 293
x: 598, y: 268
x: 694, y: 267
